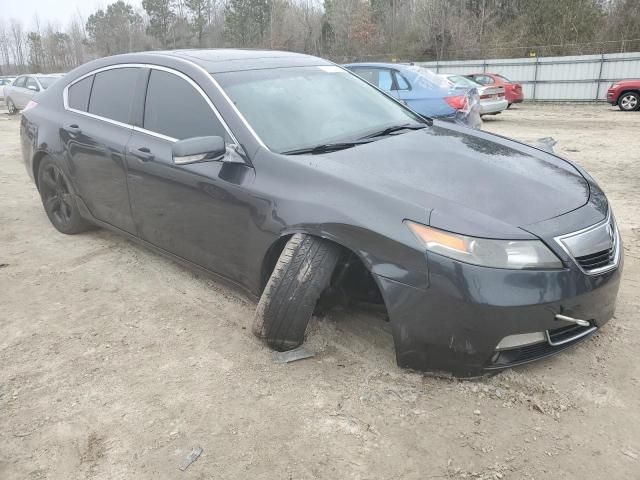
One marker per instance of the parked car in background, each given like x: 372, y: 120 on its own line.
x: 492, y: 99
x: 512, y: 90
x: 19, y: 93
x: 3, y: 82
x: 625, y: 94
x: 422, y: 90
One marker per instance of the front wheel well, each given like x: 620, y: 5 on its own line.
x: 351, y: 280
x: 631, y: 90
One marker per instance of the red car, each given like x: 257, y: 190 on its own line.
x: 512, y: 90
x: 625, y: 94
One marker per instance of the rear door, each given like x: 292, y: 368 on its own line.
x: 96, y: 130
x: 199, y: 212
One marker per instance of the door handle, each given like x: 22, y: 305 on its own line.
x: 74, y: 128
x: 143, y: 154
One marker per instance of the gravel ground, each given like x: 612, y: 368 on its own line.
x: 116, y: 362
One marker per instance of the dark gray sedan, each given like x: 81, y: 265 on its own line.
x: 307, y: 187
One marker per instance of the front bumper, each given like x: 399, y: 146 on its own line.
x: 456, y: 324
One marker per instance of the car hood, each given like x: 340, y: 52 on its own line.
x: 472, y: 182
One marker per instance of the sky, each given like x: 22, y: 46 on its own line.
x: 60, y: 11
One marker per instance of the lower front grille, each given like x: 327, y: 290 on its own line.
x: 557, y: 340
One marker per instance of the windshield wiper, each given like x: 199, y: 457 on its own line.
x: 326, y: 147
x: 396, y: 128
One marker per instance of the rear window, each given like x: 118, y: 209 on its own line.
x: 503, y: 78
x: 461, y: 81
x: 46, y: 82
x: 381, y: 78
x: 112, y: 93
x: 79, y: 94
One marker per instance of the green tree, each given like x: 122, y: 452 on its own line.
x: 161, y: 19
x: 36, y: 52
x: 247, y: 22
x: 199, y: 10
x: 111, y: 31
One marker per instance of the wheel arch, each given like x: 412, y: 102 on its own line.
x: 350, y: 261
x: 38, y: 156
x: 628, y: 90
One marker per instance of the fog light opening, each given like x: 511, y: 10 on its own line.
x: 521, y: 340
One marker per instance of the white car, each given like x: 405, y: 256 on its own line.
x: 23, y: 88
x: 492, y: 99
x: 5, y: 81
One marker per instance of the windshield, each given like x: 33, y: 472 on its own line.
x: 300, y: 107
x: 461, y: 81
x: 46, y: 82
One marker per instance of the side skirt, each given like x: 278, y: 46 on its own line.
x: 86, y: 214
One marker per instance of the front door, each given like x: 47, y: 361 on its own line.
x: 199, y: 212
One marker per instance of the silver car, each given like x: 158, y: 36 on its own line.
x: 23, y: 88
x: 4, y: 81
x: 492, y: 98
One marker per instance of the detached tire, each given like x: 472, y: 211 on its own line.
x: 302, y: 272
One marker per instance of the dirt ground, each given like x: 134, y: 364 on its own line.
x: 116, y: 362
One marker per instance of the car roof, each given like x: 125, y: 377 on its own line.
x: 377, y: 64
x: 217, y: 60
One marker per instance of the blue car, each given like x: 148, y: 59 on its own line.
x: 422, y: 90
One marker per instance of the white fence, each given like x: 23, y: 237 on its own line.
x: 577, y: 78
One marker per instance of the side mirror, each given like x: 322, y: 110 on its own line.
x: 33, y: 87
x: 198, y: 149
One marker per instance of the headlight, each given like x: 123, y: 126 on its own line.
x: 514, y: 254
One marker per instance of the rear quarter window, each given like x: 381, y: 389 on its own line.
x: 112, y: 93
x: 78, y: 97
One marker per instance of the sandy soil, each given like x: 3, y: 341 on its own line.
x: 115, y: 362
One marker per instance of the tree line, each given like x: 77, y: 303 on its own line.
x: 342, y: 30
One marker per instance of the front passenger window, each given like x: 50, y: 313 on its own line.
x: 176, y: 109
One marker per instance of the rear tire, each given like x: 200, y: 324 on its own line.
x: 302, y: 272
x: 629, y: 101
x: 59, y: 200
x: 11, y: 107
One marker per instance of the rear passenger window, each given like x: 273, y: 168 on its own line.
x: 79, y: 94
x: 112, y: 93
x: 176, y: 109
x: 381, y: 78
x: 401, y: 82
